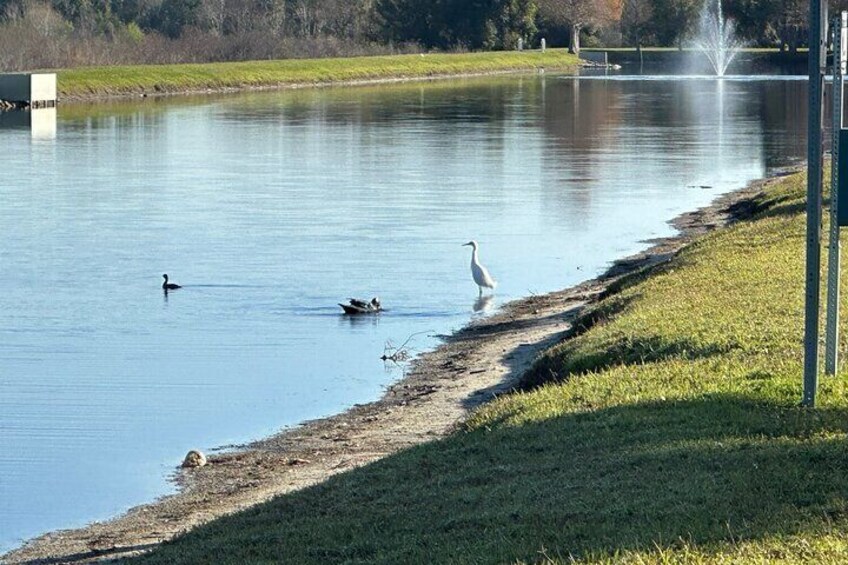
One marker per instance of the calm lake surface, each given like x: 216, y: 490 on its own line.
x: 270, y: 208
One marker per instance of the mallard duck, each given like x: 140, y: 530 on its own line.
x: 356, y: 306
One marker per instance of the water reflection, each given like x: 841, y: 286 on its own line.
x: 484, y: 304
x: 693, y: 62
x: 360, y: 320
x: 15, y: 119
x: 41, y: 122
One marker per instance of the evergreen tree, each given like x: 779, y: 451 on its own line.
x: 674, y: 20
x: 444, y: 24
x: 174, y: 16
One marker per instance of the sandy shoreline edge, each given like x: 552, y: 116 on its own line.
x: 485, y: 358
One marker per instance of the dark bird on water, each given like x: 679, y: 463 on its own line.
x: 169, y: 285
x: 356, y: 306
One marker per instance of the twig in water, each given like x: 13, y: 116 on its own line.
x: 401, y: 353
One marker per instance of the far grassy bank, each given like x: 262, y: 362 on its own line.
x: 97, y: 82
x: 665, y: 55
x: 668, y: 430
x: 762, y: 50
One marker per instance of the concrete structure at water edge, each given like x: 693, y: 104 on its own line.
x: 597, y: 57
x: 27, y: 90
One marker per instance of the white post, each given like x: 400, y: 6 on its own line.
x: 831, y: 358
x: 521, y: 44
x: 817, y: 62
x: 543, y: 45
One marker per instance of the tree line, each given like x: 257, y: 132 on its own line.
x: 79, y: 32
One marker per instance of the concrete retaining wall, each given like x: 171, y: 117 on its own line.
x: 37, y: 90
x: 598, y: 57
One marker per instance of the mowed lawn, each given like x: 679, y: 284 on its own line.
x: 93, y: 82
x: 668, y: 431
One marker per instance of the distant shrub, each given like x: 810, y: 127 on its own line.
x: 134, y: 32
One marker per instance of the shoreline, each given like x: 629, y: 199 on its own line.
x: 441, y: 387
x: 208, y: 91
x: 82, y: 84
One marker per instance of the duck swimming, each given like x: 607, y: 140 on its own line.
x: 356, y: 306
x: 169, y: 285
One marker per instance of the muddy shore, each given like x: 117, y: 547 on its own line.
x: 482, y: 360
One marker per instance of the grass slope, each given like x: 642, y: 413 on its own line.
x: 110, y: 81
x: 667, y: 432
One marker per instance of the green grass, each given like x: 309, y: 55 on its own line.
x: 668, y: 431
x: 151, y: 79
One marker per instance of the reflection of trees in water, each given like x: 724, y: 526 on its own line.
x: 578, y: 115
x: 469, y: 101
x: 783, y: 112
x: 16, y: 119
x: 580, y: 119
x: 602, y: 133
x: 128, y: 119
x: 573, y: 136
x: 438, y: 139
x: 593, y: 131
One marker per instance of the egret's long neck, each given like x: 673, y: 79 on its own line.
x: 473, y: 255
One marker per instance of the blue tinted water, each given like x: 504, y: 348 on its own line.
x: 271, y: 208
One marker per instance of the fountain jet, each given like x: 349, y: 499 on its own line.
x: 717, y: 37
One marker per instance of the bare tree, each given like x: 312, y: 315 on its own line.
x: 636, y: 19
x: 215, y: 14
x: 308, y: 17
x: 578, y: 15
x: 792, y: 23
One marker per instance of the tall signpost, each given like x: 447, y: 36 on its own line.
x: 839, y: 145
x: 818, y: 23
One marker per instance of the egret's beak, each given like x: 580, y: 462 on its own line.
x: 464, y: 244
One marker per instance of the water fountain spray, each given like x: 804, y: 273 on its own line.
x: 717, y: 37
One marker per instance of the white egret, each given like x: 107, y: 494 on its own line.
x: 479, y: 273
x: 169, y: 285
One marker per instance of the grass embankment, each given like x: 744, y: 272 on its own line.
x: 772, y: 50
x: 668, y: 55
x: 668, y: 431
x: 91, y: 82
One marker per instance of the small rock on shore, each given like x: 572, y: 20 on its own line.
x: 194, y: 458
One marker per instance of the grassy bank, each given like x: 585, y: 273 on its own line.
x: 760, y: 57
x: 95, y: 82
x: 667, y: 431
x: 763, y: 50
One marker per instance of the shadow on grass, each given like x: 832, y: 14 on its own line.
x: 93, y: 555
x: 790, y: 208
x: 718, y: 468
x: 626, y: 351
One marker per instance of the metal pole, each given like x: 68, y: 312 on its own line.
x: 814, y: 204
x: 831, y: 357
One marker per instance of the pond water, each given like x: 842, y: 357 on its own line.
x: 270, y: 208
